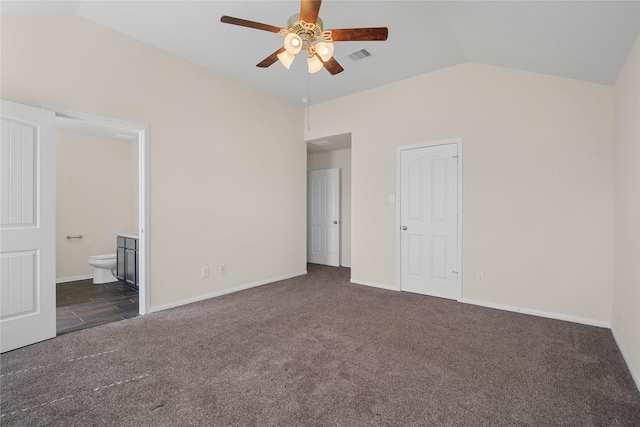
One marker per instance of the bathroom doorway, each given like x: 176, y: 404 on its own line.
x: 112, y: 142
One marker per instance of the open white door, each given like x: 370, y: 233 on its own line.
x: 323, y: 217
x: 27, y: 226
x: 429, y: 221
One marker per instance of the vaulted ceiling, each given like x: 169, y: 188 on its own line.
x: 583, y: 40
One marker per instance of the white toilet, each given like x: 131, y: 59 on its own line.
x: 104, y: 268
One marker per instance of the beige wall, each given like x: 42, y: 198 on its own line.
x: 626, y: 271
x: 537, y: 181
x: 96, y: 183
x: 338, y: 159
x: 537, y: 186
x: 227, y: 170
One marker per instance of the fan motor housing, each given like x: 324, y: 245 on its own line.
x: 307, y: 31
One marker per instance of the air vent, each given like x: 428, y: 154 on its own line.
x: 359, y: 55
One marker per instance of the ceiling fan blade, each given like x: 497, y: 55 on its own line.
x: 269, y: 60
x: 333, y: 66
x: 309, y: 10
x: 359, y: 34
x: 250, y: 24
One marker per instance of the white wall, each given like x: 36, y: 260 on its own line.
x: 222, y: 154
x: 626, y: 271
x: 338, y: 159
x: 537, y: 181
x: 96, y: 196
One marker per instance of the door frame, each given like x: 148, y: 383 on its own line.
x: 143, y: 188
x: 458, y: 144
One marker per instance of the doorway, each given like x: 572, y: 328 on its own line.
x: 429, y: 216
x: 107, y: 127
x: 334, y: 152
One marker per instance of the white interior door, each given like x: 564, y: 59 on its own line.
x: 27, y: 226
x: 429, y: 221
x: 323, y: 217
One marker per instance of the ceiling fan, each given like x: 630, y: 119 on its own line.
x: 305, y: 32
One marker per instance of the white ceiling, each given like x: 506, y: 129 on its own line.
x: 583, y: 40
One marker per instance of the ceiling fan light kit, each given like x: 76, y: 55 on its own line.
x: 300, y: 35
x: 286, y: 58
x: 325, y: 50
x: 314, y: 63
x: 292, y: 43
x: 305, y: 31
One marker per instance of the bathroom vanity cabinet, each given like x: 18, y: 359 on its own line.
x: 127, y: 260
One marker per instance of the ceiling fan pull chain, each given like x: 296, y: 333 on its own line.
x: 308, y: 104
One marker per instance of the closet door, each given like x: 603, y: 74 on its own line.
x: 323, y: 217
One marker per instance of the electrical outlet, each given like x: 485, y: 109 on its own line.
x: 223, y: 268
x: 480, y: 276
x: 205, y: 272
x: 392, y: 198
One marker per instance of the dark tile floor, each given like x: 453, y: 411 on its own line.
x: 81, y: 304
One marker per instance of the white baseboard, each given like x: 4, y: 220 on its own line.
x: 74, y: 278
x: 375, y: 285
x: 345, y: 265
x: 549, y: 315
x: 625, y: 356
x: 224, y: 292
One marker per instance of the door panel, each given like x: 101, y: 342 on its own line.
x: 19, y: 276
x: 414, y: 254
x: 27, y: 226
x: 439, y: 257
x: 120, y: 273
x: 429, y: 211
x: 130, y: 263
x: 19, y: 185
x: 323, y: 217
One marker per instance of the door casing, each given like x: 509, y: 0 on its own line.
x: 143, y: 188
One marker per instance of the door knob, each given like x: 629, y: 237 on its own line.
x: 404, y: 228
x: 335, y: 222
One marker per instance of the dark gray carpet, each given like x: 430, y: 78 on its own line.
x: 316, y: 350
